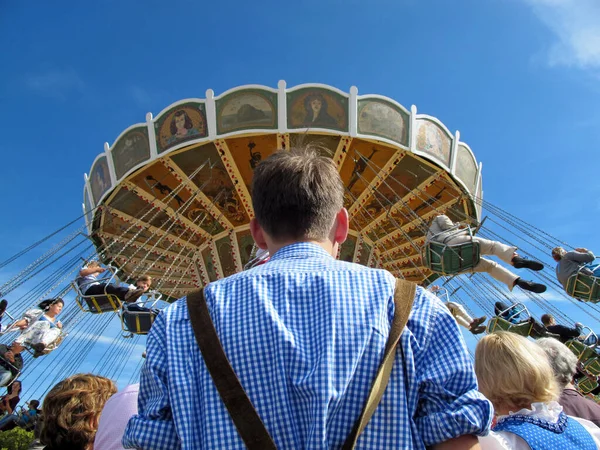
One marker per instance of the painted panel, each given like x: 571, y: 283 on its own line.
x: 180, y: 124
x: 248, y: 152
x: 317, y: 108
x: 99, y: 179
x: 247, y: 109
x: 347, y: 249
x: 245, y: 244
x: 130, y: 150
x: 326, y: 144
x: 404, y: 178
x: 433, y: 140
x: 384, y: 119
x: 466, y: 168
x: 365, y: 253
x: 225, y: 251
x: 362, y: 165
x: 213, y: 180
x: 211, y: 271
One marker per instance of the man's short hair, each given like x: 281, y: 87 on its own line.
x: 514, y: 372
x: 147, y: 278
x: 297, y: 194
x: 562, y: 360
x: 547, y: 319
x: 558, y: 252
x: 72, y: 409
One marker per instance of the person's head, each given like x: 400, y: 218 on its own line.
x: 298, y: 196
x: 34, y: 404
x: 561, y: 359
x: 144, y: 282
x: 180, y: 121
x: 499, y: 307
x: 3, y: 304
x: 15, y: 388
x: 513, y: 372
x: 71, y: 411
x: 315, y: 103
x: 558, y: 253
x: 52, y: 306
x: 92, y: 264
x: 548, y: 320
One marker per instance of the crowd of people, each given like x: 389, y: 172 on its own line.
x: 289, y: 354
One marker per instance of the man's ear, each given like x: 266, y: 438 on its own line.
x: 342, y: 225
x: 258, y: 234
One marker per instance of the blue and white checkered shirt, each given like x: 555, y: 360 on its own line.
x: 305, y: 334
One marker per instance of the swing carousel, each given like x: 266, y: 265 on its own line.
x: 170, y: 199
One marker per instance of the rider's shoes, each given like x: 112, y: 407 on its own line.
x: 523, y: 263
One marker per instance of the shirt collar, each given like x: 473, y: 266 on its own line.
x: 300, y: 250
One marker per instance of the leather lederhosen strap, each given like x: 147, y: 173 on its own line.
x: 247, y: 421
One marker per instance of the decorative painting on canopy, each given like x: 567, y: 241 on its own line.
x: 365, y: 253
x: 248, y: 152
x: 326, y: 144
x: 99, y: 178
x: 213, y: 180
x: 245, y: 244
x: 180, y: 124
x: 466, y: 168
x: 433, y: 140
x: 209, y: 265
x: 245, y: 110
x: 225, y: 251
x: 362, y: 164
x: 130, y: 150
x: 381, y: 118
x: 347, y: 249
x: 317, y: 108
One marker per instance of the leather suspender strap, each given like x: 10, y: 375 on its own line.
x: 247, y: 421
x: 403, y: 300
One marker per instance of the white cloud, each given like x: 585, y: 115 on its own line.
x: 147, y: 98
x: 576, y: 24
x: 55, y: 83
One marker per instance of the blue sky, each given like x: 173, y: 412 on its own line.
x: 520, y: 79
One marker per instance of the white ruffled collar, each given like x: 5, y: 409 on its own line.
x: 549, y: 412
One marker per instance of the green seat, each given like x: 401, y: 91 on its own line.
x: 582, y: 351
x: 451, y: 259
x: 586, y: 385
x: 499, y: 324
x: 584, y: 287
x: 592, y: 366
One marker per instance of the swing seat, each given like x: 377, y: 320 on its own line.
x: 592, y: 366
x: 50, y: 347
x: 582, y: 351
x: 451, y: 259
x: 500, y: 324
x: 96, y: 304
x: 136, y: 322
x: 584, y: 287
x: 13, y: 370
x: 586, y: 385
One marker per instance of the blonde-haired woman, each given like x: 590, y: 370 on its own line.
x: 516, y: 376
x: 71, y: 411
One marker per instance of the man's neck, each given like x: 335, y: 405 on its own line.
x: 274, y: 247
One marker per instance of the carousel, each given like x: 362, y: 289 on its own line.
x: 170, y: 199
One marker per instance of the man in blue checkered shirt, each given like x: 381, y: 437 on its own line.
x: 305, y: 334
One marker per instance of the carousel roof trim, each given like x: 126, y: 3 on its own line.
x: 281, y: 127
